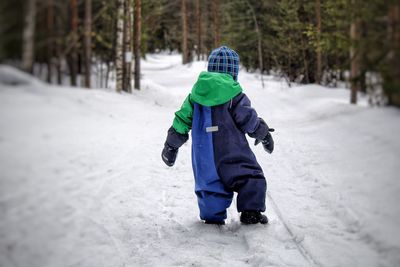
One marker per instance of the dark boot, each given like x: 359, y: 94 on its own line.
x: 253, y: 217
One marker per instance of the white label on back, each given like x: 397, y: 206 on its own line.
x: 212, y: 129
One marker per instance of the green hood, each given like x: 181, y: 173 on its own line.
x: 213, y: 88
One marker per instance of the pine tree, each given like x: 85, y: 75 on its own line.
x: 185, y: 33
x: 354, y: 56
x: 28, y: 50
x: 73, y: 62
x: 259, y: 41
x: 216, y: 22
x: 199, y: 29
x: 392, y: 75
x: 50, y: 39
x: 88, y: 42
x: 137, y: 41
x: 318, y: 72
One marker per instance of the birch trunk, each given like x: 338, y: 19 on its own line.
x: 119, y: 46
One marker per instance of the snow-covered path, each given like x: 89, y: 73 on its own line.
x: 82, y: 182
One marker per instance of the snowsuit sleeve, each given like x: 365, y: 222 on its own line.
x: 246, y: 117
x: 183, y: 117
x: 178, y: 133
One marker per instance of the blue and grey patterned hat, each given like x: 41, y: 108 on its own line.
x: 224, y: 60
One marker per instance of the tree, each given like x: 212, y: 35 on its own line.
x: 73, y: 62
x: 216, y: 22
x: 28, y: 49
x: 119, y: 47
x: 318, y: 72
x: 354, y: 57
x: 392, y: 75
x: 137, y: 41
x: 127, y: 60
x: 259, y: 41
x: 185, y: 50
x: 88, y: 41
x: 50, y: 39
x: 59, y: 40
x: 199, y: 29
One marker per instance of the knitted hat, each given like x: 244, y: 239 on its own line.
x: 224, y: 60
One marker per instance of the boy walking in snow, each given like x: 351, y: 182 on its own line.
x: 220, y: 115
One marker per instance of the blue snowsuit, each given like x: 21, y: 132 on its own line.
x: 219, y: 115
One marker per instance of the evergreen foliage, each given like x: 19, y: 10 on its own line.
x: 290, y: 37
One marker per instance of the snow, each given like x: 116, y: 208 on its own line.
x: 82, y: 182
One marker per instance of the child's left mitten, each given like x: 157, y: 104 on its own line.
x: 267, y: 142
x: 263, y: 136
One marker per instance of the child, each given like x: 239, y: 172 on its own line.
x: 220, y: 115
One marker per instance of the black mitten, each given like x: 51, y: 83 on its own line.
x: 169, y: 154
x: 174, y: 141
x: 261, y: 134
x: 267, y: 142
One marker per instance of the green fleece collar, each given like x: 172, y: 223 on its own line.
x: 213, y: 88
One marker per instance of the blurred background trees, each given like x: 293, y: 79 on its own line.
x: 328, y: 42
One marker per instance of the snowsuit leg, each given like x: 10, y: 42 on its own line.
x: 236, y: 164
x: 212, y: 195
x: 251, y: 194
x: 213, y: 205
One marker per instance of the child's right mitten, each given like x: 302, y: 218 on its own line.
x: 174, y: 141
x: 169, y: 154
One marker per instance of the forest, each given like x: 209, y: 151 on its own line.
x: 287, y: 157
x: 327, y: 42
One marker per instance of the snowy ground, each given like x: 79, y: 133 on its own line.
x: 82, y: 182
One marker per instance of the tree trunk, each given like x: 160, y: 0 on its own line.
x: 107, y: 73
x: 50, y: 39
x: 88, y: 41
x: 185, y: 51
x: 305, y: 61
x: 74, y: 40
x: 137, y: 41
x: 28, y: 49
x: 259, y: 42
x: 392, y: 79
x: 60, y: 54
x: 199, y: 29
x: 119, y: 46
x: 318, y: 73
x: 216, y: 23
x: 354, y: 59
x: 127, y: 48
